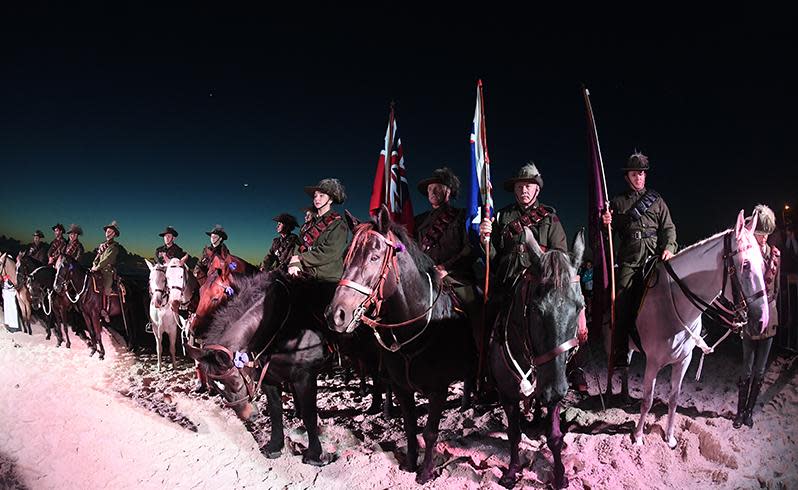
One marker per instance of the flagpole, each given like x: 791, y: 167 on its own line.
x: 483, y: 138
x: 611, y: 356
x: 389, y: 159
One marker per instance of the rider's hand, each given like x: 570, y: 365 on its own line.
x: 666, y: 254
x: 293, y: 270
x: 485, y: 229
x: 606, y: 217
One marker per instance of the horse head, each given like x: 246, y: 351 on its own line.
x: 749, y: 269
x: 181, y: 288
x: 157, y: 284
x: 66, y: 268
x: 214, y: 293
x: 220, y: 365
x: 382, y: 265
x: 552, y: 305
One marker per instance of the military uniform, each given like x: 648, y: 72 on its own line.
x: 57, y: 247
x: 74, y: 249
x: 323, y: 238
x: 643, y: 228
x: 172, y: 252
x: 441, y: 234
x: 507, y: 238
x: 38, y: 252
x: 280, y: 252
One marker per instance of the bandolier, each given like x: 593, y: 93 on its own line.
x: 74, y: 248
x: 282, y: 245
x: 38, y: 251
x: 58, y: 244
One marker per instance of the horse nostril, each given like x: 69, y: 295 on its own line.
x: 339, y: 316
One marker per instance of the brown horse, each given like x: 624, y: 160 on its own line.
x: 70, y: 274
x: 10, y: 269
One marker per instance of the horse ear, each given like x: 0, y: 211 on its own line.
x: 351, y: 220
x: 738, y: 227
x: 149, y: 264
x: 579, y: 247
x: 752, y: 225
x: 532, y: 244
x: 383, y: 220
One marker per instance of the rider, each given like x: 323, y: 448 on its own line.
x: 38, y: 249
x: 282, y: 245
x: 57, y: 245
x: 217, y: 248
x: 322, y: 239
x: 104, y: 262
x: 169, y: 250
x: 441, y: 234
x: 74, y: 248
x: 757, y: 347
x: 643, y: 226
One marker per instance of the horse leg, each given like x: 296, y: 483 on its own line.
x: 156, y: 331
x: 307, y: 391
x: 92, y: 343
x: 98, y: 335
x: 513, y: 411
x: 388, y: 411
x: 201, y: 385
x: 677, y: 376
x: 649, y: 381
x: 407, y: 404
x: 436, y: 402
x: 377, y: 390
x: 274, y: 447
x: 468, y: 390
x: 554, y: 439
x: 172, y: 333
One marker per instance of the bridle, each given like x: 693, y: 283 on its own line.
x: 59, y: 267
x: 375, y: 296
x: 164, y: 292
x: 183, y: 303
x: 527, y: 387
x: 733, y: 314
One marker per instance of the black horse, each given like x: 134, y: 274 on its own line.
x: 72, y: 276
x: 427, y: 343
x: 45, y: 303
x: 268, y: 334
x: 530, y: 346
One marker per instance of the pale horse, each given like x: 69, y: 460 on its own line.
x: 679, y: 290
x: 162, y: 318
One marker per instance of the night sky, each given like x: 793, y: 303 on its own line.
x: 156, y: 118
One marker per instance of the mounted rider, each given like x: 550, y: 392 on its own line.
x: 322, y: 239
x: 37, y: 250
x: 642, y: 224
x: 57, y: 245
x: 441, y: 234
x: 74, y: 248
x: 169, y: 250
x: 105, y: 262
x: 283, y: 244
x: 217, y: 248
x: 507, y: 239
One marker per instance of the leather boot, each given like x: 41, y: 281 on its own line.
x: 104, y: 311
x: 742, y: 400
x: 756, y: 385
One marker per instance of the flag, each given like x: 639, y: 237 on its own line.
x: 396, y: 194
x: 597, y: 199
x: 480, y: 197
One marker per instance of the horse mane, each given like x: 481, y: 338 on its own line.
x: 555, y: 269
x: 704, y: 241
x: 248, y: 290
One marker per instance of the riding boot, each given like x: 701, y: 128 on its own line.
x: 742, y: 399
x: 104, y: 311
x: 756, y: 385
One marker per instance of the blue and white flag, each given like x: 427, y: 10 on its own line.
x: 480, y: 197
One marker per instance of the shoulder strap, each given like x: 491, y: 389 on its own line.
x: 528, y: 219
x: 311, y: 231
x: 643, y: 204
x: 433, y: 233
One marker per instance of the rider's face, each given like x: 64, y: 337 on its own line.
x: 526, y: 192
x: 636, y: 179
x: 58, y: 232
x: 215, y: 239
x: 73, y: 237
x: 37, y: 239
x: 320, y: 199
x: 438, y: 194
x: 109, y: 234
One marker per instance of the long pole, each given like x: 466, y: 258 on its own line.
x: 483, y: 140
x: 389, y: 159
x: 611, y: 355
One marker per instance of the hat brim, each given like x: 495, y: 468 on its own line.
x: 173, y: 233
x: 116, y: 230
x: 310, y: 190
x: 220, y: 233
x: 629, y: 169
x: 509, y: 184
x: 422, y: 186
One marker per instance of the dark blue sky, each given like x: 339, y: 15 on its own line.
x: 160, y: 117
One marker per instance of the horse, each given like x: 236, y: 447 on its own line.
x: 183, y: 287
x: 680, y: 290
x: 9, y: 269
x: 70, y: 274
x: 37, y: 279
x: 427, y: 344
x: 532, y: 338
x: 163, y: 316
x: 266, y: 335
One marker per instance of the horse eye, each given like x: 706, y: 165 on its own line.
x: 375, y: 258
x: 215, y: 300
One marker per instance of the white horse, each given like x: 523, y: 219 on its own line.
x: 689, y: 284
x: 163, y: 318
x: 8, y: 269
x: 183, y: 286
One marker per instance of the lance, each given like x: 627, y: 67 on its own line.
x: 389, y: 159
x: 595, y: 140
x: 483, y: 138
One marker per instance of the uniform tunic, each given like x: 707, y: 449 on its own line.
x: 173, y: 252
x: 104, y: 261
x: 280, y: 252
x: 56, y: 248
x: 74, y: 249
x: 38, y: 252
x: 324, y: 259
x: 441, y: 234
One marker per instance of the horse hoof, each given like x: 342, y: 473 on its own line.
x: 638, y: 440
x: 68, y: 345
x: 322, y: 460
x: 102, y: 356
x: 508, y: 480
x: 272, y: 452
x: 561, y: 482
x: 407, y: 466
x: 423, y: 477
x: 200, y: 389
x: 374, y: 409
x: 91, y: 352
x: 672, y: 442
x: 47, y: 337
